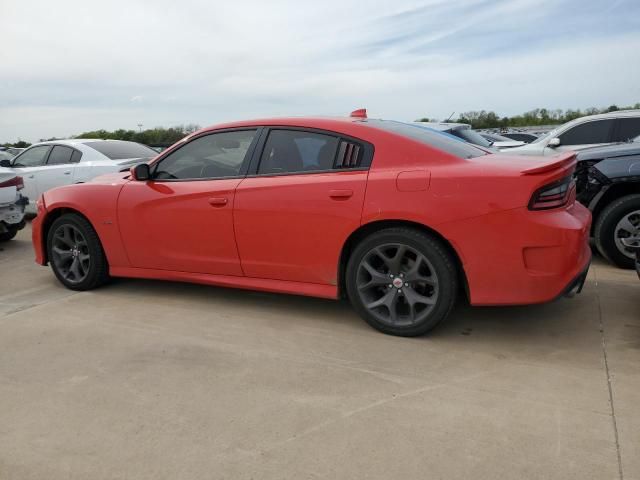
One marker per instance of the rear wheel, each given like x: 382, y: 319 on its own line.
x: 618, y: 223
x: 75, y: 253
x: 401, y: 281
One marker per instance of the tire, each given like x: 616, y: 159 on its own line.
x: 421, y: 286
x: 71, y: 238
x: 6, y: 236
x: 608, y: 229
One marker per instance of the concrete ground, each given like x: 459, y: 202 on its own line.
x: 151, y: 380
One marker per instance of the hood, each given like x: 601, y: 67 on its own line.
x: 111, y: 178
x: 610, y: 151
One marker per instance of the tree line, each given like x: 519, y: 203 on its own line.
x: 539, y: 116
x: 159, y: 136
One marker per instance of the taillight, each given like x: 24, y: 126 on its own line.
x: 14, y: 182
x: 554, y: 195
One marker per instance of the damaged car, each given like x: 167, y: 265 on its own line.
x: 608, y: 183
x: 12, y: 204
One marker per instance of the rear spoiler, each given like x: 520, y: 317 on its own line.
x: 557, y: 162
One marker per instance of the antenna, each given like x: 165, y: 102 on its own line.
x: 452, y: 114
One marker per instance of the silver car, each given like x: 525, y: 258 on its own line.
x: 585, y: 132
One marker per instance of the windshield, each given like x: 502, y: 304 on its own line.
x: 120, y: 149
x: 471, y: 136
x: 438, y: 140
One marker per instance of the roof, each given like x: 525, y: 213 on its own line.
x: 76, y: 141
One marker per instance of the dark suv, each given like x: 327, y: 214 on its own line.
x: 608, y: 183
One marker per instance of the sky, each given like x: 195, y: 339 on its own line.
x: 72, y: 66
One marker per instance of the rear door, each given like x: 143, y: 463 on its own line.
x: 302, y: 199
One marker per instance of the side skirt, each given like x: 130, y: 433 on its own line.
x: 246, y: 283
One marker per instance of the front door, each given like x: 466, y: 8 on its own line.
x: 294, y: 214
x: 182, y: 219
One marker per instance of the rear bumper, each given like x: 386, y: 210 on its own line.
x: 520, y: 257
x: 12, y: 215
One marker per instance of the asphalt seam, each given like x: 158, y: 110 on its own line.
x: 609, y: 386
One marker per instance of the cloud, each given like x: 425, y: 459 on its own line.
x: 73, y: 67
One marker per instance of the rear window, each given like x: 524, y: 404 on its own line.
x: 119, y: 149
x: 428, y: 136
x: 470, y: 136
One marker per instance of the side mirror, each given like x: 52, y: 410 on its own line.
x: 141, y: 172
x: 554, y: 142
x: 5, y: 163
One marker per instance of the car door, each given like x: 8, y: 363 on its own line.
x: 589, y: 134
x: 302, y: 199
x: 182, y: 219
x: 58, y: 169
x: 29, y: 164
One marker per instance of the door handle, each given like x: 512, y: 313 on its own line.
x: 30, y: 176
x: 218, y: 201
x: 340, y: 194
x: 68, y: 172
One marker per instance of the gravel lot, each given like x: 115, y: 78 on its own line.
x: 151, y: 380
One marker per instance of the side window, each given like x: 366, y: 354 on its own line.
x: 217, y: 155
x: 33, y: 157
x: 60, y: 155
x: 288, y: 151
x: 598, y: 131
x: 628, y: 128
x: 76, y: 156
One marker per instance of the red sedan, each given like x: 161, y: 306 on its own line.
x: 396, y: 217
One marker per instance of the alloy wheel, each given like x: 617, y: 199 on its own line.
x: 627, y: 232
x: 70, y: 253
x: 397, y: 284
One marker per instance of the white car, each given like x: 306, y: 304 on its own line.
x: 12, y: 204
x: 585, y: 132
x: 46, y: 165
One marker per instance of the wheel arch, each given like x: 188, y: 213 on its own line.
x: 52, y: 216
x: 368, y: 228
x: 614, y: 192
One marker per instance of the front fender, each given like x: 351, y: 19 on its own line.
x: 97, y: 202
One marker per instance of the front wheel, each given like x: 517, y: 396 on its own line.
x: 617, y: 224
x: 402, y: 281
x: 75, y: 253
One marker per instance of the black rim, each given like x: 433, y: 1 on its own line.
x: 397, y: 284
x: 70, y: 253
